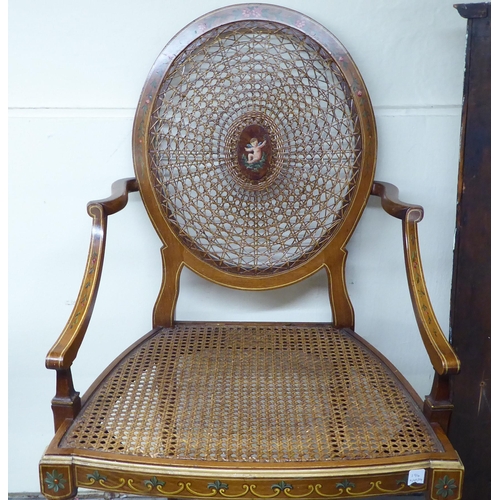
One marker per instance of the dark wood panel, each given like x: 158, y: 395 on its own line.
x: 470, y: 429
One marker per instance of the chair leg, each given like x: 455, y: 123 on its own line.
x: 57, y: 482
x: 445, y: 484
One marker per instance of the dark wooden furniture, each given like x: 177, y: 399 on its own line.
x: 471, y: 288
x: 254, y: 147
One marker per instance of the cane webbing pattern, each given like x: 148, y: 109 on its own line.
x: 258, y: 393
x: 268, y: 75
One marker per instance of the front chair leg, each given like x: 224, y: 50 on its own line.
x: 445, y: 484
x: 57, y: 482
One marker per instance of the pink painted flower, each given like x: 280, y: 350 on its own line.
x: 202, y: 27
x: 255, y: 12
x: 359, y: 93
x: 300, y: 23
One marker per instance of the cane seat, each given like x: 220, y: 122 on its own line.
x: 254, y: 149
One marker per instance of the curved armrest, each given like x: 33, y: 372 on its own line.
x: 118, y: 199
x: 388, y: 194
x: 441, y: 354
x: 64, y: 351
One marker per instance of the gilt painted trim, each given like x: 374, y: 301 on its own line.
x: 263, y: 473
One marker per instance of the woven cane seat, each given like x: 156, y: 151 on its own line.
x: 254, y: 146
x: 252, y: 393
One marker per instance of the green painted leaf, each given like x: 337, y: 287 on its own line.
x: 154, y: 482
x: 282, y: 486
x: 217, y: 486
x: 345, y: 484
x: 96, y: 476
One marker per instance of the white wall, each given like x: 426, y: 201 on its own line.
x: 76, y: 70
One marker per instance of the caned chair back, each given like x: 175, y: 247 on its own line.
x: 254, y: 147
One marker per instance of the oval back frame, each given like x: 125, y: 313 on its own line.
x: 330, y: 251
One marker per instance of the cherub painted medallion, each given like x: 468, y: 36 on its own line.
x: 254, y: 152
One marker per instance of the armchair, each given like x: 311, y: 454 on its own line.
x: 254, y: 148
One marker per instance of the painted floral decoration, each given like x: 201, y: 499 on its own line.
x: 96, y: 476
x: 55, y: 481
x: 281, y: 486
x: 445, y: 487
x: 255, y: 12
x: 154, y: 482
x: 217, y: 486
x: 345, y: 484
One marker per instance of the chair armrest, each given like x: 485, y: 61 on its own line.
x: 119, y: 196
x: 64, y: 351
x: 388, y: 194
x: 441, y: 354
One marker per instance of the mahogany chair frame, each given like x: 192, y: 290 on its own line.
x: 148, y: 476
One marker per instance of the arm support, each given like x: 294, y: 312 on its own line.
x: 66, y: 403
x: 443, y: 358
x: 437, y: 405
x: 64, y: 351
